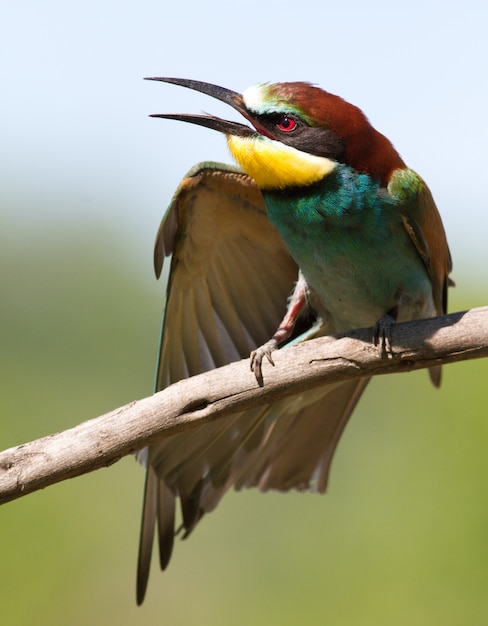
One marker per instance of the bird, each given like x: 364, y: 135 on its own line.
x: 320, y: 227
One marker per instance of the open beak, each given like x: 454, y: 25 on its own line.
x: 232, y: 98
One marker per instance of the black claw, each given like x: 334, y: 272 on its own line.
x: 382, y: 335
x: 257, y: 357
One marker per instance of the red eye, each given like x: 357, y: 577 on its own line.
x: 287, y: 124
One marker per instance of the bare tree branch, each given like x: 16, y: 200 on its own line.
x: 101, y: 441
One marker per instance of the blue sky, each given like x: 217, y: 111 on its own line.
x: 77, y: 145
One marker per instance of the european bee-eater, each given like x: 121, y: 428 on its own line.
x: 325, y: 210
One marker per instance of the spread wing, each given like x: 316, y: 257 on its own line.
x: 229, y: 283
x: 230, y: 278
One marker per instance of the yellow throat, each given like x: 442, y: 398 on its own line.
x: 274, y: 165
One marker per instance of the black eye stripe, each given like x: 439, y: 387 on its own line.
x: 312, y: 139
x: 274, y: 119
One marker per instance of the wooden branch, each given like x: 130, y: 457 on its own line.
x: 101, y: 441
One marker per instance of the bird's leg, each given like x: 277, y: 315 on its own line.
x: 297, y: 302
x: 382, y: 334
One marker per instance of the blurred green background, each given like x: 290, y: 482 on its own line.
x: 402, y: 535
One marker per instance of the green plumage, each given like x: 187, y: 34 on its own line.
x: 348, y: 237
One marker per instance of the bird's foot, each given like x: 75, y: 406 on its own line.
x: 258, y: 355
x: 382, y: 335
